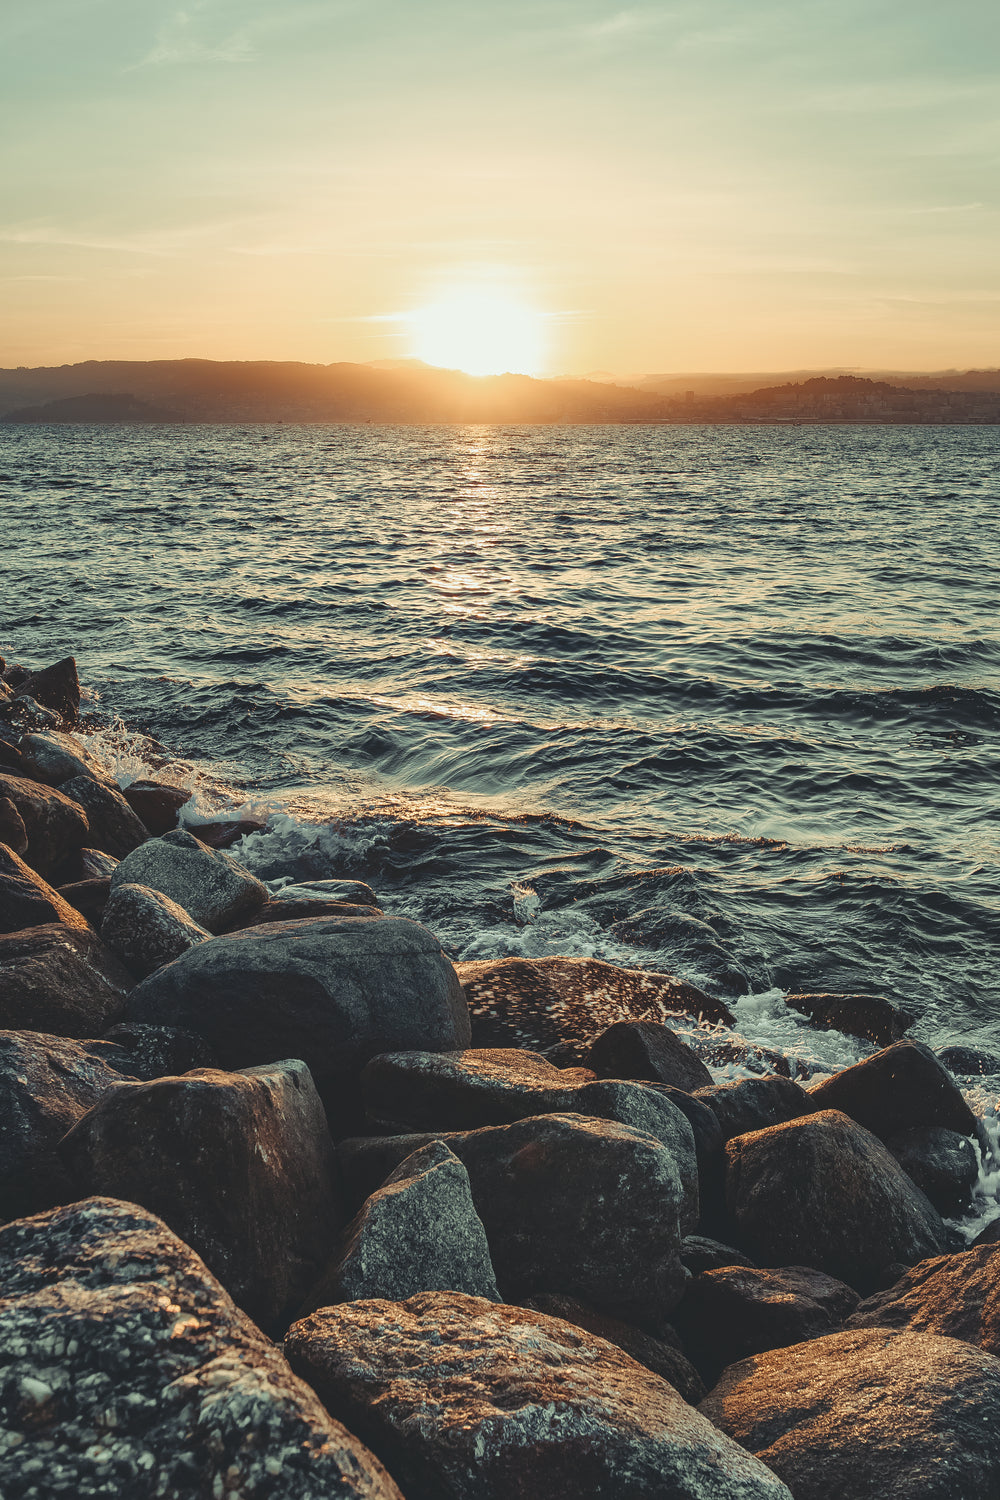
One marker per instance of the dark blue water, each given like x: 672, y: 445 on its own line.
x: 723, y: 701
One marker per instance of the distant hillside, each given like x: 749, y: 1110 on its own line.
x: 849, y: 398
x: 93, y: 408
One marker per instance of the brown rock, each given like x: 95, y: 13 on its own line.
x: 54, y: 757
x: 114, y: 828
x: 12, y: 829
x: 902, y: 1086
x: 296, y: 911
x: 56, y: 826
x: 225, y: 835
x: 873, y: 1018
x: 61, y: 980
x: 754, y: 1103
x: 146, y: 929
x: 157, y: 803
x: 56, y: 687
x: 88, y: 897
x: 956, y: 1296
x: 650, y: 1050
x: 26, y: 900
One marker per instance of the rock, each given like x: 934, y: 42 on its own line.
x: 296, y: 911
x: 755, y: 1103
x: 146, y: 929
x: 969, y: 1062
x: 88, y: 897
x: 700, y: 1253
x: 869, y: 1414
x: 46, y: 1084
x: 53, y: 757
x: 586, y: 1207
x: 158, y: 1051
x: 902, y: 1086
x: 225, y: 835
x: 822, y: 1191
x: 465, y: 1090
x: 988, y: 1236
x: 209, y: 885
x: 157, y: 803
x: 873, y: 1018
x: 56, y: 687
x: 942, y: 1163
x: 23, y: 715
x: 419, y: 1232
x: 332, y: 992
x: 461, y: 1397
x: 55, y: 825
x: 60, y: 979
x: 353, y: 892
x: 239, y: 1165
x: 650, y: 1050
x: 561, y: 1005
x: 125, y: 1370
x: 114, y: 827
x: 26, y: 900
x: 95, y: 865
x: 729, y: 1051
x: 664, y: 1359
x: 12, y: 829
x: 956, y: 1296
x: 736, y: 1311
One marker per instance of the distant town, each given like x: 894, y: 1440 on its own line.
x: 197, y: 390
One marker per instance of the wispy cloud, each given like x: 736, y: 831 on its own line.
x: 948, y: 208
x: 180, y: 40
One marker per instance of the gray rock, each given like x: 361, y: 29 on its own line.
x: 159, y: 1051
x: 649, y: 1050
x: 355, y: 892
x: 54, y: 758
x: 60, y: 979
x: 239, y: 1165
x: 25, y: 715
x: 125, y: 1370
x: 419, y: 1232
x: 332, y: 992
x: 956, y: 1296
x: 114, y: 827
x: 701, y: 1253
x: 297, y: 911
x: 870, y: 1414
x: 942, y: 1163
x: 207, y: 883
x: 26, y: 900
x: 873, y: 1018
x: 824, y: 1192
x: 146, y: 929
x: 56, y: 827
x: 461, y: 1397
x: 755, y: 1103
x: 902, y: 1086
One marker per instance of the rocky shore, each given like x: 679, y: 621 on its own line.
x: 292, y: 1206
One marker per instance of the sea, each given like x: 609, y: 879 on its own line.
x: 719, y: 701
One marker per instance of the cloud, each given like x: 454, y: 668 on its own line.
x: 178, y: 41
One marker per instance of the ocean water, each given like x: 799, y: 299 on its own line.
x: 718, y: 701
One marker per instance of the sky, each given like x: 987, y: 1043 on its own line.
x: 704, y: 186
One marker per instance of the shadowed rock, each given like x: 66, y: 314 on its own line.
x: 902, y: 1086
x: 26, y: 900
x: 942, y: 1163
x: 12, y: 830
x: 157, y: 803
x: 56, y: 826
x: 60, y: 979
x: 208, y: 884
x: 54, y: 758
x: 114, y: 827
x: 755, y: 1103
x: 647, y: 1050
x: 146, y: 929
x: 463, y: 1398
x: 56, y: 687
x: 873, y: 1018
x: 88, y: 897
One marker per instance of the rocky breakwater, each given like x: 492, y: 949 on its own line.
x: 275, y: 1226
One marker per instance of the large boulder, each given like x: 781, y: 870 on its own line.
x: 55, y: 825
x: 114, y: 827
x: 26, y: 900
x: 208, y: 884
x: 824, y: 1192
x: 333, y: 992
x: 957, y: 1296
x: 754, y: 1103
x: 873, y: 1018
x: 461, y: 1397
x: 53, y: 757
x: 418, y: 1232
x: 147, y: 930
x: 159, y: 1051
x: 56, y: 687
x: 648, y: 1050
x: 239, y: 1165
x: 12, y: 830
x: 870, y: 1414
x: 902, y: 1086
x: 942, y: 1163
x: 559, y: 1006
x: 60, y: 979
x: 157, y: 803
x: 126, y: 1370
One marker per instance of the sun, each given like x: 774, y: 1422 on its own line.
x: 481, y: 332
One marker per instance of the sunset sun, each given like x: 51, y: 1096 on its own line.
x: 478, y: 331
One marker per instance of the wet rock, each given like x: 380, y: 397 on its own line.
x: 157, y: 803
x: 12, y: 829
x: 822, y: 1191
x: 210, y: 886
x: 114, y: 827
x: 730, y: 1051
x: 580, y: 1206
x: 26, y: 900
x: 942, y: 1163
x: 239, y: 1165
x: 701, y: 1253
x: 56, y: 827
x: 649, y: 1050
x: 296, y: 911
x: 88, y: 897
x: 956, y: 1296
x: 53, y: 757
x: 873, y: 1018
x: 149, y: 1052
x: 332, y: 992
x: 60, y: 979
x: 462, y: 1397
x: 418, y: 1232
x: 736, y: 1311
x: 146, y: 929
x: 56, y: 687
x: 94, y: 864
x: 870, y: 1414
x: 988, y: 1236
x: 969, y: 1062
x: 125, y: 1370
x: 563, y: 1004
x: 23, y: 715
x: 225, y: 835
x: 354, y: 892
x: 755, y: 1103
x: 664, y: 1358
x: 902, y: 1086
